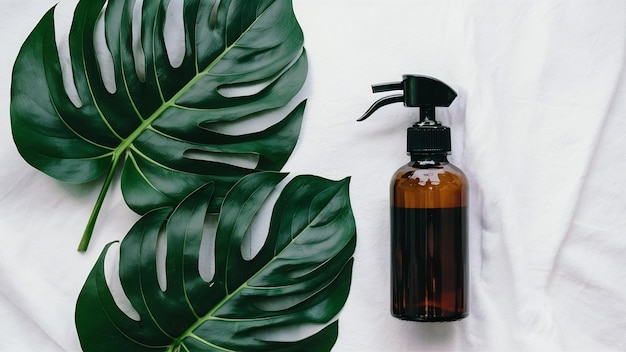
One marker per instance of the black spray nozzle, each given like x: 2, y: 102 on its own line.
x: 417, y: 91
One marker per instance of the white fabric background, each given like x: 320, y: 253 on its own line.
x: 539, y: 127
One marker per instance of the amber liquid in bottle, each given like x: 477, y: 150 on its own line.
x: 429, y: 240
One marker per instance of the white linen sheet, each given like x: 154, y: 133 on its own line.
x: 539, y: 127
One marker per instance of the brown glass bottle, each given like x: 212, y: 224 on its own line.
x: 428, y: 210
x: 429, y: 240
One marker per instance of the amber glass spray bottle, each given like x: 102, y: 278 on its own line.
x: 428, y: 211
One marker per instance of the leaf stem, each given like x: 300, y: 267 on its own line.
x: 84, y: 241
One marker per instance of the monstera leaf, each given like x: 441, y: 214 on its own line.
x: 301, y: 274
x: 166, y: 123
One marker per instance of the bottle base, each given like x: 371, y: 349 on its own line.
x: 431, y: 319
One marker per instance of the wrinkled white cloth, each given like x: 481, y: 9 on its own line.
x: 539, y: 128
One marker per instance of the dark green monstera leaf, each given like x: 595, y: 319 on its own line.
x: 242, y: 60
x: 301, y: 274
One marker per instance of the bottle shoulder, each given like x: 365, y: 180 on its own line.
x: 441, y: 185
x: 433, y: 173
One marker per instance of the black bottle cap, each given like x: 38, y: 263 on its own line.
x: 428, y: 139
x: 427, y: 135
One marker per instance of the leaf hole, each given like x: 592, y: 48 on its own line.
x: 246, y: 89
x: 254, y: 123
x: 138, y: 52
x: 255, y: 237
x: 160, y: 255
x: 243, y: 160
x: 206, y: 259
x: 174, y: 33
x: 62, y: 21
x: 103, y: 54
x: 111, y: 274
